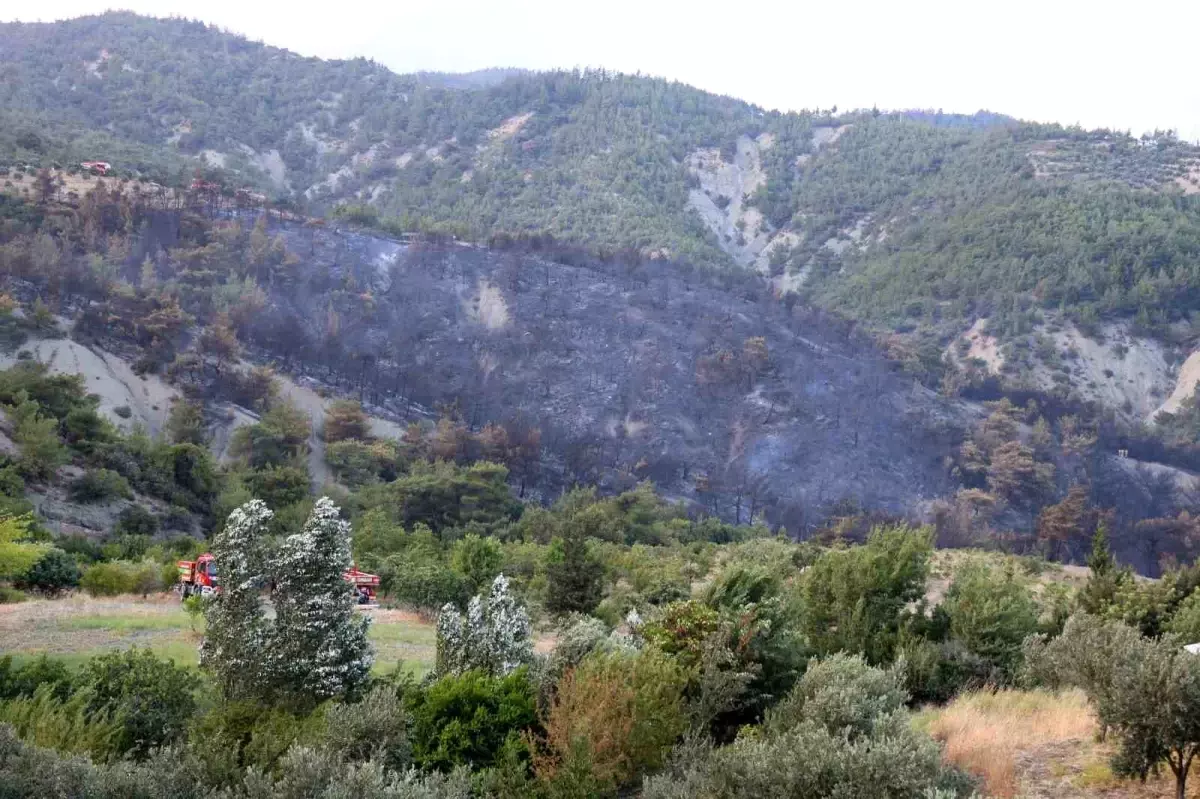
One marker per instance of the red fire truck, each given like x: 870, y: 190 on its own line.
x: 199, y: 576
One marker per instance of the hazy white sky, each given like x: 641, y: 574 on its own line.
x: 1127, y: 65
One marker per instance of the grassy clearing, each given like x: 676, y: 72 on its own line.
x: 1031, y: 744
x: 1034, y: 572
x: 402, y: 638
x: 129, y: 624
x: 77, y: 628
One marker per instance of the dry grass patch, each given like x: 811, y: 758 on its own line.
x: 986, y: 733
x: 1033, y: 745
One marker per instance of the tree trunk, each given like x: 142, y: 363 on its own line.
x: 1181, y: 773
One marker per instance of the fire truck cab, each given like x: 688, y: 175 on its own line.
x: 198, y: 576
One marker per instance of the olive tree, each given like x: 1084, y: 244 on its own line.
x: 493, y: 636
x: 1146, y: 691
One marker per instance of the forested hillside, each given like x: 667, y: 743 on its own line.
x: 669, y: 285
x: 915, y: 221
x: 564, y: 435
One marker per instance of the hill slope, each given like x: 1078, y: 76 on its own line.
x: 913, y: 221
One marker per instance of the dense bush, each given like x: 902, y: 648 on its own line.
x: 991, y: 614
x: 54, y: 573
x: 579, y: 637
x: 18, y: 549
x: 67, y: 724
x: 375, y: 727
x: 477, y: 559
x: 614, y: 718
x: 24, y: 680
x: 842, y: 694
x: 357, y: 463
x: 241, y: 734
x: 842, y: 732
x: 427, y: 585
x: 136, y: 520
x: 574, y: 577
x: 99, y: 485
x: 121, y: 577
x: 1186, y: 621
x: 467, y: 719
x: 151, y: 699
x: 345, y: 419
x: 11, y: 482
x: 854, y: 600
x: 445, y: 496
x: 937, y: 670
x: 279, y: 486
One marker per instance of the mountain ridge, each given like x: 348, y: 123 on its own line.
x: 619, y: 161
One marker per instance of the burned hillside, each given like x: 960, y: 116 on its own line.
x: 708, y: 386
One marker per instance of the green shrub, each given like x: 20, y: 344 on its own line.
x: 24, y: 680
x: 376, y: 536
x: 991, y: 614
x: 855, y: 600
x: 574, y: 576
x: 279, y: 486
x: 810, y: 761
x: 109, y: 579
x: 10, y: 595
x: 477, y: 559
x: 86, y: 430
x: 151, y: 699
x: 581, y: 636
x: 11, y: 482
x: 37, y: 436
x: 99, y: 485
x: 357, y: 463
x: 19, y: 546
x: 79, y: 545
x: 842, y: 732
x: 70, y: 725
x: 844, y: 695
x: 127, y: 547
x: 375, y: 727
x: 178, y: 518
x: 241, y: 734
x: 136, y: 520
x: 467, y: 719
x: 1186, y: 621
x: 54, y: 573
x: 614, y: 718
x: 124, y: 577
x: 683, y: 630
x: 937, y: 671
x: 430, y: 585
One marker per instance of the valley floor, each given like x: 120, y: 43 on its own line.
x: 79, y: 627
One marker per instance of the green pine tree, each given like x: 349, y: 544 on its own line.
x: 574, y: 577
x: 1101, y: 560
x: 1106, y: 578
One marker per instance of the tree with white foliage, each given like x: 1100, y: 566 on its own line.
x: 320, y: 645
x: 494, y: 636
x: 237, y: 638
